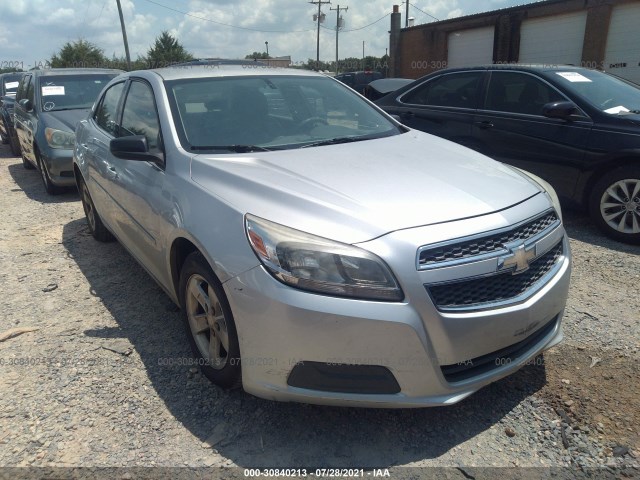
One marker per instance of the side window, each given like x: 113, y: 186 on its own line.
x: 452, y: 90
x: 22, y: 88
x: 516, y: 92
x: 105, y: 115
x: 139, y: 116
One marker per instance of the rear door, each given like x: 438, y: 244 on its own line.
x: 511, y: 128
x: 444, y: 105
x: 93, y: 147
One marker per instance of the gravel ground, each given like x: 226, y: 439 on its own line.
x: 97, y: 382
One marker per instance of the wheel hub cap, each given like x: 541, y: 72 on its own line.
x: 620, y: 206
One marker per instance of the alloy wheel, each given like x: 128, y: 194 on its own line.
x: 207, y: 322
x: 620, y: 206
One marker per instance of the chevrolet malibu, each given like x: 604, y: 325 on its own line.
x: 320, y: 251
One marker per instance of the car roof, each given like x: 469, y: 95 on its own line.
x: 537, y: 67
x: 74, y: 71
x: 204, y: 71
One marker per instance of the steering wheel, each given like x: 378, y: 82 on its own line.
x: 312, y: 121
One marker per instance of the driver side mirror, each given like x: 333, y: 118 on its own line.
x: 26, y: 104
x: 133, y: 147
x: 561, y: 110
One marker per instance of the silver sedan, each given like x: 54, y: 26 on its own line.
x: 319, y: 250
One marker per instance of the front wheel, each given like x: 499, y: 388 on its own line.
x: 614, y: 205
x: 44, y: 174
x: 209, y: 323
x: 15, y: 148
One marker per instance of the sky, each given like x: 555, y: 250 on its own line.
x: 31, y: 31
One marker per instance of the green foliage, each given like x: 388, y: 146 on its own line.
x: 165, y: 51
x: 257, y: 55
x: 79, y: 54
x: 350, y: 64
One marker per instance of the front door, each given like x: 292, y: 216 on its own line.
x: 511, y: 128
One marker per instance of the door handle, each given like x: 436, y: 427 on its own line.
x: 111, y: 170
x: 408, y: 114
x: 484, y: 124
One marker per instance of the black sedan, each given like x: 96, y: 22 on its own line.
x: 576, y: 128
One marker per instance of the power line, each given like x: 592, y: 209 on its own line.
x: 225, y: 24
x: 361, y: 28
x: 427, y: 14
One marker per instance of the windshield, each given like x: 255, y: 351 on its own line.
x: 71, y: 92
x: 240, y: 114
x: 605, y: 92
x: 11, y: 83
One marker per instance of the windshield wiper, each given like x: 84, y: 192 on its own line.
x: 334, y: 141
x: 67, y: 108
x: 232, y: 148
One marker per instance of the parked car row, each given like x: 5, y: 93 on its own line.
x: 578, y: 129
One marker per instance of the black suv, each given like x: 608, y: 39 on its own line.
x: 49, y: 104
x: 8, y: 87
x: 576, y: 128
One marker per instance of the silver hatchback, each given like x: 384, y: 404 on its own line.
x: 320, y: 251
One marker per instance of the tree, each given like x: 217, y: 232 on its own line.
x: 79, y: 54
x: 259, y: 55
x: 166, y: 51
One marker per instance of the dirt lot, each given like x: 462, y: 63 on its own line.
x: 103, y: 379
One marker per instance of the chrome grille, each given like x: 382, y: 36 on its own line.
x: 485, y: 244
x: 477, y: 292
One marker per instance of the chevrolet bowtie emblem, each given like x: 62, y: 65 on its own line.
x: 517, y: 259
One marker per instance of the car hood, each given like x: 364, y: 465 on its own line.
x: 358, y: 191
x: 64, y: 119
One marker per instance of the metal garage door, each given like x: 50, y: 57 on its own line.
x: 553, y: 40
x: 622, y: 55
x: 471, y: 47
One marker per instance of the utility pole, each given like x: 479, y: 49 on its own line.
x: 318, y: 18
x: 124, y: 36
x: 406, y: 16
x: 338, y: 28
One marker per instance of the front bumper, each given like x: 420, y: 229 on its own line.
x: 59, y: 164
x: 281, y: 328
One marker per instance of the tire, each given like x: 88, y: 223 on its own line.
x: 96, y: 227
x: 614, y: 204
x: 15, y: 149
x: 209, y: 323
x: 50, y: 188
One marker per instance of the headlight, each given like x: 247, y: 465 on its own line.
x: 320, y: 265
x: 551, y: 193
x: 59, y: 139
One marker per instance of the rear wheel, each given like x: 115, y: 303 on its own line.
x: 209, y: 323
x: 97, y: 228
x: 615, y: 204
x: 44, y: 174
